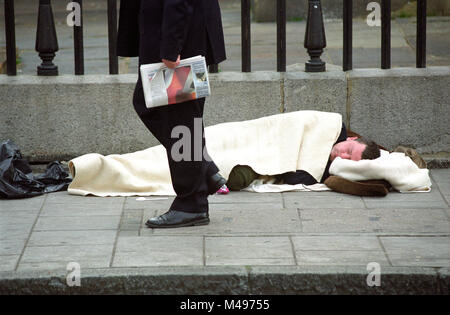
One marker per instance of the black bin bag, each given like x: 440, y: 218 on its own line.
x: 17, y: 179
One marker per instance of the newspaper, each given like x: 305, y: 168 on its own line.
x: 186, y: 82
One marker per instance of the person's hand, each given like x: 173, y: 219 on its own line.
x: 171, y: 64
x: 352, y: 138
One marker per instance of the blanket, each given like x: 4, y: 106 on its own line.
x: 271, y: 145
x: 396, y: 168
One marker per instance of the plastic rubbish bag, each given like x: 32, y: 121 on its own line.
x: 17, y: 179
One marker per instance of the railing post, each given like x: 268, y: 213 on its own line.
x: 46, y: 41
x: 11, y: 67
x: 112, y: 37
x: 245, y: 36
x: 385, y: 34
x: 78, y: 43
x: 347, y: 63
x: 315, y: 40
x: 421, y: 50
x: 281, y: 35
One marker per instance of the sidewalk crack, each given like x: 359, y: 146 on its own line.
x: 442, y: 195
x: 117, y: 233
x: 31, y: 232
x: 282, y: 94
x: 293, y: 250
x: 384, y: 250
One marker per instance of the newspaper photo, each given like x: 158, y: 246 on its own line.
x: 163, y: 86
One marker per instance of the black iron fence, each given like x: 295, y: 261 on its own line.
x: 315, y: 40
x: 385, y: 34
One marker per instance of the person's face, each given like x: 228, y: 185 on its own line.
x: 349, y: 149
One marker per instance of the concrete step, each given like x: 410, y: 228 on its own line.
x: 236, y: 280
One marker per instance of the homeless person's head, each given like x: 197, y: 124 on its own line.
x: 355, y: 149
x: 372, y: 150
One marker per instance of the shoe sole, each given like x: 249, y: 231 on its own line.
x: 194, y: 223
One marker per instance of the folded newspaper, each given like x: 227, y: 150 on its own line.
x: 163, y: 86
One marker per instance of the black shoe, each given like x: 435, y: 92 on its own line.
x: 215, y: 182
x: 172, y: 219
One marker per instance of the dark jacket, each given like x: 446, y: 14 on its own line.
x: 164, y: 29
x: 303, y: 177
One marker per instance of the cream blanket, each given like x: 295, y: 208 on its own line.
x: 270, y: 145
x: 396, y: 168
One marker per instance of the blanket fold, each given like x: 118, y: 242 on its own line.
x: 396, y: 168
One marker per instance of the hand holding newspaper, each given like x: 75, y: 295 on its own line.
x: 163, y: 86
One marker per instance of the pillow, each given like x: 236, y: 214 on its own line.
x: 358, y: 188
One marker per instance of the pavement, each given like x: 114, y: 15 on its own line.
x: 271, y: 243
x: 366, y: 40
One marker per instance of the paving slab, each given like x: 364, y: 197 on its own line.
x: 336, y: 242
x: 8, y: 262
x: 338, y: 250
x: 16, y: 225
x: 9, y: 219
x: 440, y: 175
x: 153, y: 202
x: 246, y: 197
x: 10, y: 247
x: 13, y: 232
x: 342, y: 258
x: 410, y: 221
x: 68, y: 238
x: 237, y: 221
x: 442, y: 179
x: 159, y: 251
x: 404, y: 202
x: 73, y: 223
x: 68, y: 208
x: 397, y: 200
x: 444, y: 187
x: 335, y: 220
x: 245, y: 206
x: 27, y: 204
x: 418, y: 251
x: 55, y: 257
x: 321, y: 200
x: 131, y: 220
x: 251, y: 251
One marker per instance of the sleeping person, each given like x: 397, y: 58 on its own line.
x: 351, y: 148
x: 294, y: 147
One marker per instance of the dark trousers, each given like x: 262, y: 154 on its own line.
x: 190, y: 176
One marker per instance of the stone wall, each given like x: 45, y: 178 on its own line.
x: 59, y: 118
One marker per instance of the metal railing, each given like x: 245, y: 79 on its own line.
x: 385, y: 34
x: 315, y: 41
x: 47, y: 43
x: 10, y: 30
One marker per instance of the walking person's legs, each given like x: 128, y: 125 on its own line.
x: 190, y: 171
